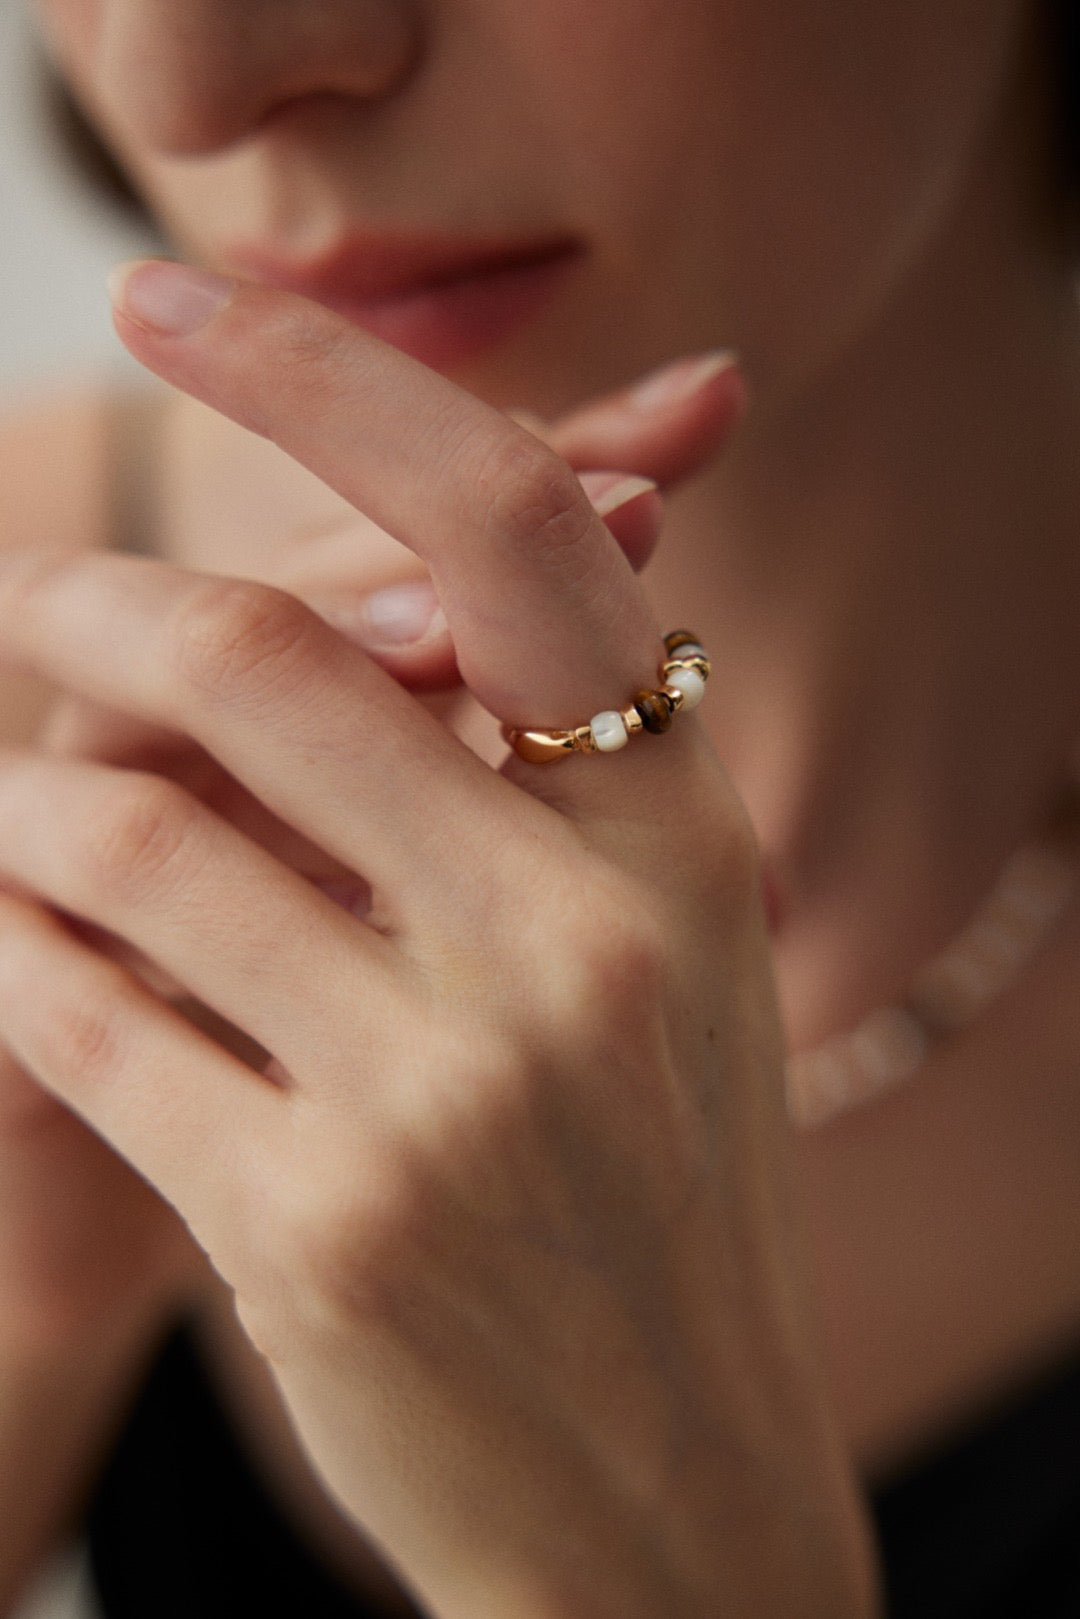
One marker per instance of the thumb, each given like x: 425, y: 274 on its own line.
x: 667, y: 426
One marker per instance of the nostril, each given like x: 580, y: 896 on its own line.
x: 176, y: 112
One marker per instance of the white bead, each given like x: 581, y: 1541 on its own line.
x: 609, y: 732
x: 690, y: 683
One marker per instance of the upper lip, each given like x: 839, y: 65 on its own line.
x: 384, y: 265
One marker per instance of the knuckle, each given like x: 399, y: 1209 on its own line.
x: 81, y: 1037
x: 138, y: 834
x: 730, y: 861
x: 351, y: 1266
x: 37, y: 574
x: 621, y: 957
x: 607, y: 952
x: 357, y: 1240
x: 240, y: 642
x: 537, y: 503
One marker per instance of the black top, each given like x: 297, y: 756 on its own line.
x: 182, y: 1528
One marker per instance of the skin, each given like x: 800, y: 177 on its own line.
x: 92, y: 1260
x: 915, y: 735
x: 365, y: 1365
x: 932, y: 233
x: 588, y: 145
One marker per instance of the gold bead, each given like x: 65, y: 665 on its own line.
x: 649, y: 711
x: 541, y: 747
x: 700, y: 666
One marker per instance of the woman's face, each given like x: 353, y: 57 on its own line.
x: 758, y: 174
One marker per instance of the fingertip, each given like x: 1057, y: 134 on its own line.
x: 669, y: 426
x: 636, y: 526
x: 428, y: 666
x: 165, y: 298
x: 632, y: 508
x: 536, y: 425
x: 684, y: 380
x: 608, y: 498
x: 401, y: 627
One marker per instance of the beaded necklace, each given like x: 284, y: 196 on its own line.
x: 950, y: 991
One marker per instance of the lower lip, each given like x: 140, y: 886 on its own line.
x: 447, y: 324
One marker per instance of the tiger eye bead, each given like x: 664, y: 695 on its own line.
x: 680, y: 638
x: 682, y: 676
x: 655, y: 711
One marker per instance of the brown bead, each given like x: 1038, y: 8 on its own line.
x: 655, y: 711
x: 679, y: 638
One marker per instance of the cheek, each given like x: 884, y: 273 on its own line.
x: 752, y: 173
x: 777, y: 166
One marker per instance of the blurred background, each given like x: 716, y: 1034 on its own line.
x: 57, y: 242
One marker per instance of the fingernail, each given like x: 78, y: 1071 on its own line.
x: 680, y: 381
x: 400, y: 615
x: 530, y: 421
x: 620, y: 494
x: 174, y: 299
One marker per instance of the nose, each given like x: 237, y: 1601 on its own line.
x: 194, y: 76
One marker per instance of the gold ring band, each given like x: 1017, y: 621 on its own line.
x: 682, y: 673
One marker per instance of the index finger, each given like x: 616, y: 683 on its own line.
x: 547, y: 618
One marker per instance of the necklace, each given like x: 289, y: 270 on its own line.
x: 950, y: 991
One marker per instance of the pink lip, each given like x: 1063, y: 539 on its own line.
x: 441, y: 299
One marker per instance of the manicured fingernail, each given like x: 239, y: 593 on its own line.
x: 174, y: 299
x: 400, y: 615
x: 621, y: 493
x: 530, y: 421
x: 681, y: 381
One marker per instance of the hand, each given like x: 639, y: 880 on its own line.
x: 85, y: 1242
x: 514, y: 1226
x: 667, y: 427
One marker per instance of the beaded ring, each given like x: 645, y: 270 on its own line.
x: 683, y: 674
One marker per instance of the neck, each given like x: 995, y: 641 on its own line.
x: 886, y: 571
